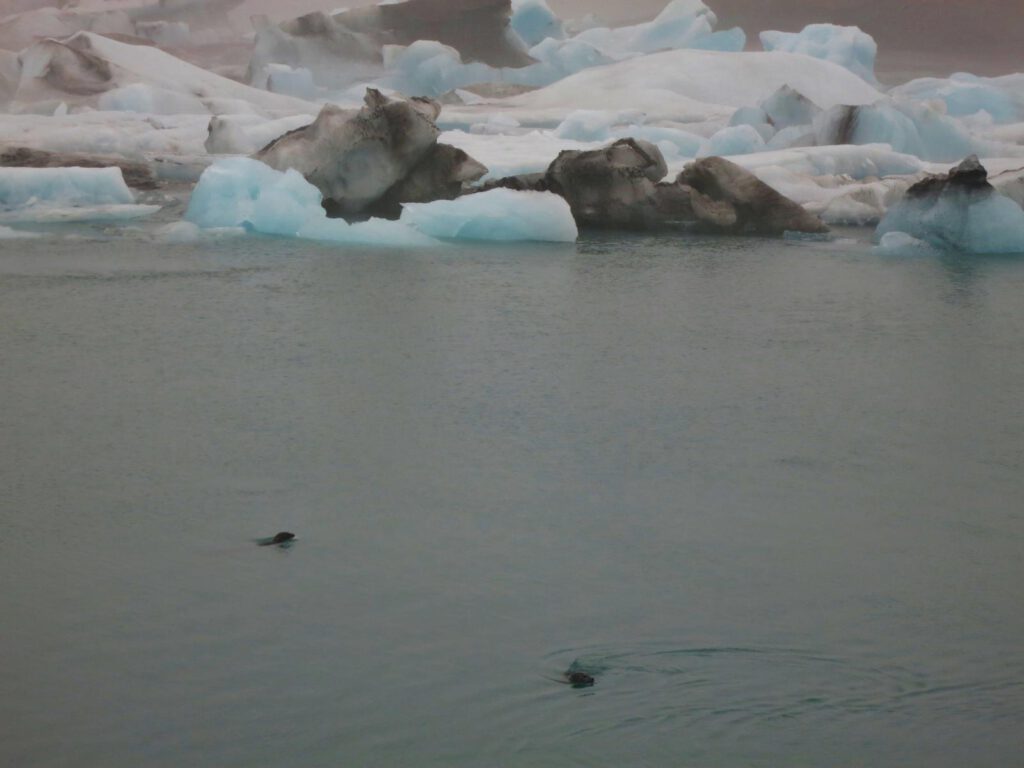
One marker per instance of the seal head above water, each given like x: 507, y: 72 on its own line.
x: 579, y: 679
x: 278, y: 539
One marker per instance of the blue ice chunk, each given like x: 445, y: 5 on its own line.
x: 534, y: 21
x: 734, y: 140
x: 849, y: 47
x: 498, y: 214
x: 22, y: 187
x: 913, y: 129
x: 242, y: 192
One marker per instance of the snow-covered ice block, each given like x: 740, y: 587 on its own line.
x: 498, y: 214
x: 849, y: 47
x: 22, y: 187
x: 534, y: 21
x: 242, y: 192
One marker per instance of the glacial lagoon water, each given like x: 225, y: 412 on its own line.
x: 769, y: 493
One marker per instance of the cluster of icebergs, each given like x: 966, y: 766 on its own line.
x: 391, y: 124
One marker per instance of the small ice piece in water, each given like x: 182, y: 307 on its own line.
x: 849, y: 47
x: 498, y: 214
x: 902, y: 244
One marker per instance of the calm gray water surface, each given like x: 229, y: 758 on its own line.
x: 769, y: 493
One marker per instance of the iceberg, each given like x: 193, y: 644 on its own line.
x: 849, y: 47
x: 497, y: 215
x: 959, y: 211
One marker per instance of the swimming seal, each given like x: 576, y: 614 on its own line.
x: 284, y: 537
x: 579, y: 679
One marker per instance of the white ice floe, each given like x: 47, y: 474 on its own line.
x: 849, y: 47
x: 499, y: 214
x: 512, y: 155
x: 686, y: 86
x: 96, y: 71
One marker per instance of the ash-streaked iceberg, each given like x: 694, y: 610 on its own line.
x: 959, y: 211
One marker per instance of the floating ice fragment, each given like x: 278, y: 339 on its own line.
x: 902, y: 244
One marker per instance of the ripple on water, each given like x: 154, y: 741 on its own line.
x: 730, y: 689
